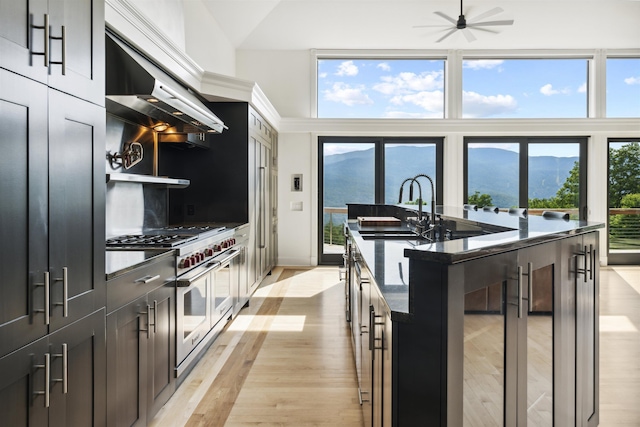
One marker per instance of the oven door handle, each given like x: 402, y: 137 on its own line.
x: 187, y: 280
x: 232, y: 254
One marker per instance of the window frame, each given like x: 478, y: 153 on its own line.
x: 523, y: 164
x: 379, y: 176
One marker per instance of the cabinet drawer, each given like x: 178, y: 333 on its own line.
x: 140, y: 281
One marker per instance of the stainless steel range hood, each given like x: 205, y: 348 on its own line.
x: 138, y: 91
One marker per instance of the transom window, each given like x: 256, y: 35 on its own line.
x: 524, y: 88
x: 623, y: 87
x: 380, y: 88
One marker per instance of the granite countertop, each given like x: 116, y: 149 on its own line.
x: 388, y: 260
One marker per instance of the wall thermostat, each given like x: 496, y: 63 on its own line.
x: 296, y: 182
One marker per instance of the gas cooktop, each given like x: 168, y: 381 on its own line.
x: 150, y: 240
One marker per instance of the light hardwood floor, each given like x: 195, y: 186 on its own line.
x: 286, y: 359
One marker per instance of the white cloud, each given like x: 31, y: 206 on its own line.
x: 477, y: 105
x: 322, y: 75
x: 582, y: 88
x: 431, y: 101
x: 483, y: 64
x: 548, y: 90
x: 345, y: 94
x: 407, y: 82
x: 384, y: 66
x: 632, y: 80
x: 347, y: 68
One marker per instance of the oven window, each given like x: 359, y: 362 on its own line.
x: 222, y: 284
x: 195, y: 307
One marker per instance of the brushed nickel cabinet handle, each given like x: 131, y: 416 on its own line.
x: 147, y: 279
x: 47, y: 293
x: 65, y: 291
x: 62, y: 38
x: 148, y: 328
x: 47, y: 379
x: 65, y: 369
x: 44, y: 27
x: 530, y: 285
x: 520, y: 292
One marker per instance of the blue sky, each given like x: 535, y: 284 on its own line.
x: 414, y: 88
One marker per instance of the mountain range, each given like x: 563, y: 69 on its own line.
x: 349, y: 177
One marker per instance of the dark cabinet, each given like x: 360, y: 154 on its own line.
x: 56, y: 42
x: 52, y: 187
x: 58, y: 380
x: 141, y: 357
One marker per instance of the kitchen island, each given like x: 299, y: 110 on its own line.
x: 495, y: 325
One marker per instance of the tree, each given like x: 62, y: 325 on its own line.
x: 480, y: 199
x: 567, y: 196
x: 624, y: 172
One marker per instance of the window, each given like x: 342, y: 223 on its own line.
x: 369, y: 170
x: 380, y: 88
x: 537, y: 173
x: 623, y: 87
x: 524, y: 88
x: 624, y: 201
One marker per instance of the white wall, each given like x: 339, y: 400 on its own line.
x: 205, y: 41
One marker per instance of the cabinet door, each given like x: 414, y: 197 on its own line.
x: 22, y: 44
x: 587, y: 329
x: 82, y: 73
x: 23, y: 210
x: 161, y: 348
x: 76, y: 208
x: 127, y: 330
x: 78, y: 373
x: 537, y: 284
x: 23, y: 402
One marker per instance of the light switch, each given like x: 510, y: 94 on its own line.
x: 296, y: 206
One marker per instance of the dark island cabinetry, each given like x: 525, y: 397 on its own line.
x: 501, y: 330
x: 52, y: 292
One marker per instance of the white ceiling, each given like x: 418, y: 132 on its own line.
x: 388, y: 24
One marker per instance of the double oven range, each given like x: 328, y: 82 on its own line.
x: 208, y: 262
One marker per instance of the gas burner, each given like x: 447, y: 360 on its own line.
x: 149, y: 240
x: 191, y: 228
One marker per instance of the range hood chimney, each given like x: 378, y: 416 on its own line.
x: 138, y: 91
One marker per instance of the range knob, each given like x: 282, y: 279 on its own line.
x: 208, y: 252
x: 185, y: 263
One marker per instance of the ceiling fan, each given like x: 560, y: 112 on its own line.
x: 465, y: 27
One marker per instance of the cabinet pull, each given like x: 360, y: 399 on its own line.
x: 147, y: 279
x: 65, y: 367
x: 261, y: 213
x: 62, y: 38
x: 44, y: 27
x: 65, y: 291
x: 360, y: 393
x: 148, y: 328
x: 584, y: 270
x: 155, y: 315
x: 47, y: 294
x: 529, y: 275
x: 520, y: 291
x: 47, y: 379
x: 592, y: 253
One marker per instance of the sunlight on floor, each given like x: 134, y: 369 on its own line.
x: 616, y: 324
x: 279, y: 323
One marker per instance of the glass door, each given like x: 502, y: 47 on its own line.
x: 348, y: 175
x: 537, y: 173
x: 624, y: 201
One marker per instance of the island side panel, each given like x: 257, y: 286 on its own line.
x: 419, y: 355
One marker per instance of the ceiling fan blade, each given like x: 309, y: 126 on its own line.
x: 488, y: 23
x: 432, y: 26
x: 468, y: 35
x: 488, y: 30
x: 494, y: 11
x: 447, y: 17
x: 451, y: 31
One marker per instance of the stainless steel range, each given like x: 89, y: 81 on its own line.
x: 208, y: 260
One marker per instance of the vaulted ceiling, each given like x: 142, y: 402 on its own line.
x: 389, y: 24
